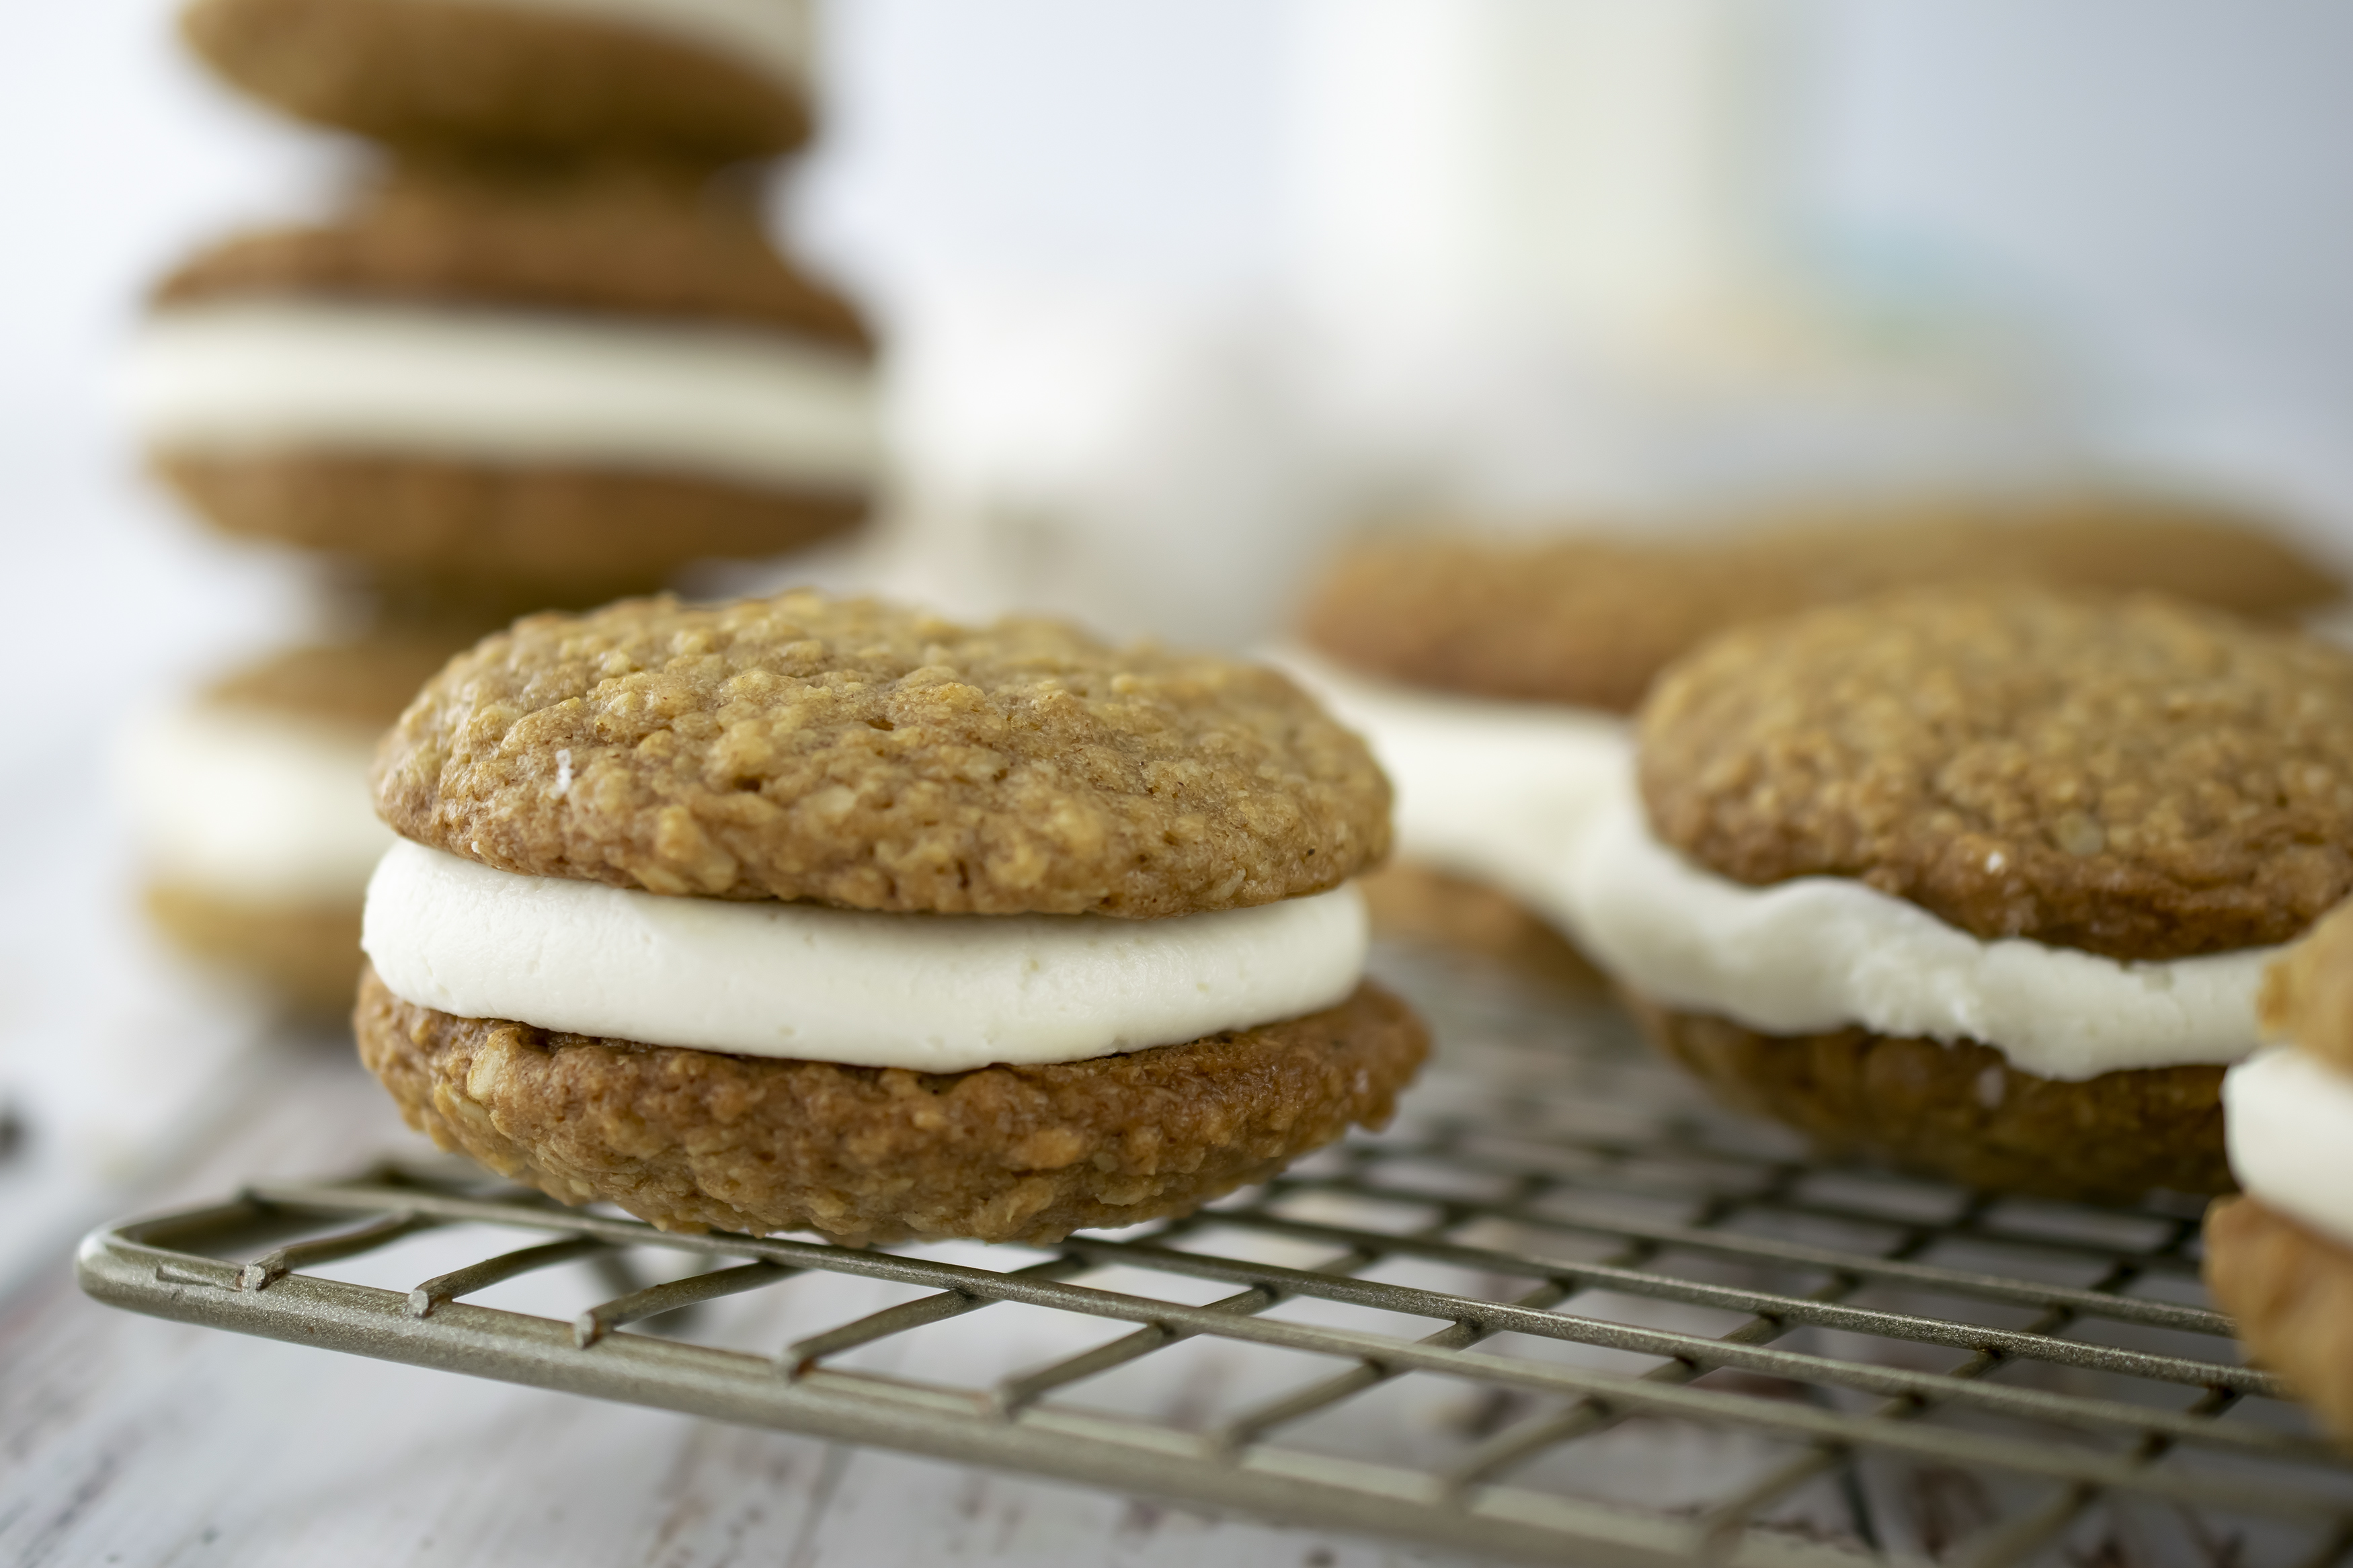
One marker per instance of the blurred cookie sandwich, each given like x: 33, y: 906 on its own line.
x: 803, y: 914
x: 569, y: 380
x: 1494, y: 674
x: 2280, y: 1259
x: 714, y: 79
x: 1980, y: 882
x: 250, y: 804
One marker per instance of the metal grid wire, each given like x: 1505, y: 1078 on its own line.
x: 1563, y: 1312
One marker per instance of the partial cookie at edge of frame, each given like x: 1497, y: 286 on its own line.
x: 2308, y: 995
x: 2290, y: 1294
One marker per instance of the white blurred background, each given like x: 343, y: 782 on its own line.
x: 1177, y: 289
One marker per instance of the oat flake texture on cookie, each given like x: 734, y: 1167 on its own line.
x: 870, y: 757
x: 2136, y: 777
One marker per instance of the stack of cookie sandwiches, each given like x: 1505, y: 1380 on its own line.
x: 544, y: 353
x: 1495, y: 674
x: 804, y: 914
x: 546, y: 345
x: 1981, y: 882
x: 2280, y: 1259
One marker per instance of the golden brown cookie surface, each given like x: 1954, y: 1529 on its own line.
x: 2308, y: 994
x: 638, y: 239
x: 862, y: 755
x: 528, y: 536
x: 2290, y: 1291
x: 1962, y: 1112
x: 691, y: 1140
x: 462, y: 71
x: 2131, y: 777
x: 1591, y: 621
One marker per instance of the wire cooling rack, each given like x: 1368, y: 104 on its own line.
x: 1563, y: 1312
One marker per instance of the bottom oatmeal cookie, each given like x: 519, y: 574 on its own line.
x: 691, y: 1140
x: 1962, y: 1112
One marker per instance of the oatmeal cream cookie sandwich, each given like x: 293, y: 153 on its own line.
x: 804, y: 914
x: 716, y: 79
x: 1494, y: 674
x: 250, y: 803
x: 1979, y: 881
x: 2280, y: 1259
x: 572, y: 379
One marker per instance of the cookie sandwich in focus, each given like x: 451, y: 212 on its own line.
x: 2280, y: 1259
x: 1495, y: 674
x: 1978, y: 883
x: 804, y: 914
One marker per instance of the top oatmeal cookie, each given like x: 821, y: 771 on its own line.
x: 855, y: 753
x: 1591, y: 620
x: 2130, y: 776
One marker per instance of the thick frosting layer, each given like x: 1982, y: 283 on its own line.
x: 752, y: 406
x: 2288, y: 1122
x: 1493, y: 791
x: 771, y: 37
x: 1818, y: 953
x: 934, y: 992
x: 252, y: 805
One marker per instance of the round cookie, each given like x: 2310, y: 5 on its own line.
x: 872, y: 758
x: 1591, y: 620
x: 691, y: 1140
x: 524, y: 73
x: 2273, y: 1263
x: 571, y: 379
x: 874, y: 766
x: 2067, y: 784
x: 252, y: 802
x: 2308, y: 995
x: 2132, y: 777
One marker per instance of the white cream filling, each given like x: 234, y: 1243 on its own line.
x: 771, y: 37
x: 750, y: 406
x: 934, y: 992
x: 1818, y: 953
x: 250, y: 804
x: 2288, y: 1122
x: 1490, y: 790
